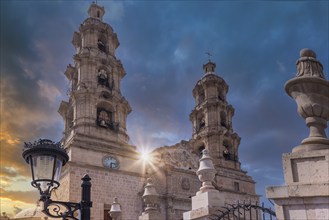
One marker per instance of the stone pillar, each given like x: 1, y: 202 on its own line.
x: 305, y: 194
x: 207, y: 200
x: 151, y: 200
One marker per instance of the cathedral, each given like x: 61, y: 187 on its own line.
x: 97, y: 140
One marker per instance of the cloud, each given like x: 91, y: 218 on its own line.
x: 22, y: 196
x: 50, y: 92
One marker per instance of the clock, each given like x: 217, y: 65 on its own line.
x: 110, y: 162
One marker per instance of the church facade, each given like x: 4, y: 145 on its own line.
x: 97, y: 141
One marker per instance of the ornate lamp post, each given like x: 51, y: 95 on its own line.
x: 46, y: 159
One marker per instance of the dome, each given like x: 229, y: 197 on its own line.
x: 31, y: 213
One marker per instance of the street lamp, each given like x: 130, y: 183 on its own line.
x: 46, y: 159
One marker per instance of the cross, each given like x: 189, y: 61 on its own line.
x: 209, y: 55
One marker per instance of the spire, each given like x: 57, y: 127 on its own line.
x: 210, y: 66
x: 96, y: 11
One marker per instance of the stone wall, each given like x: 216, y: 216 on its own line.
x: 106, y: 184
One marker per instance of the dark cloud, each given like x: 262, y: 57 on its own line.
x: 163, y: 44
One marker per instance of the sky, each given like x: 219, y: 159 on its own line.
x: 254, y: 44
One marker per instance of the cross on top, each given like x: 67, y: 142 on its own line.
x: 209, y: 55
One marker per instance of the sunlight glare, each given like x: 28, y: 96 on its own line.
x: 145, y: 156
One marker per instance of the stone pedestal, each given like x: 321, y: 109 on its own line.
x: 306, y: 193
x: 204, y: 205
x: 150, y: 215
x: 208, y: 200
x: 151, y: 200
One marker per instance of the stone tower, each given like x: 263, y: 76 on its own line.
x: 174, y: 171
x: 96, y: 109
x: 95, y: 123
x: 212, y: 119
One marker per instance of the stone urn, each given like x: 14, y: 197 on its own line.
x: 150, y: 196
x: 115, y: 211
x: 310, y: 90
x: 206, y: 172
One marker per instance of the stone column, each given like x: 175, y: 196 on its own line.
x: 305, y: 194
x: 151, y: 200
x: 207, y: 200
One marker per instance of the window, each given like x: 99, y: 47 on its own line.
x: 201, y: 148
x: 236, y: 186
x: 98, y: 15
x: 201, y: 98
x: 105, y: 119
x: 105, y: 79
x: 223, y: 119
x: 107, y: 215
x: 101, y: 46
x: 102, y: 77
x: 202, y: 123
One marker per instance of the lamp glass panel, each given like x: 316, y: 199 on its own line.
x: 58, y: 169
x: 43, y: 167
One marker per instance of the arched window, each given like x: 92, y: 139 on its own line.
x: 201, y: 98
x: 200, y: 149
x: 220, y: 95
x: 101, y: 45
x: 223, y: 119
x: 105, y: 79
x: 228, y: 151
x: 105, y: 117
x: 201, y: 123
x: 69, y: 119
x: 102, y: 77
x: 98, y: 14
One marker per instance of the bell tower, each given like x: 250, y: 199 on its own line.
x: 95, y: 134
x: 212, y: 119
x: 96, y: 110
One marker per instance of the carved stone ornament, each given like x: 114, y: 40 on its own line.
x: 308, y: 65
x: 185, y: 184
x: 310, y: 90
x: 179, y: 156
x: 206, y: 172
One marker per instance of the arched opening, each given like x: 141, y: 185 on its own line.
x: 223, y: 119
x: 105, y: 117
x: 220, y: 95
x: 69, y: 119
x: 98, y: 14
x: 200, y: 149
x: 101, y: 44
x: 201, y: 122
x: 201, y: 97
x: 105, y: 78
x: 228, y: 151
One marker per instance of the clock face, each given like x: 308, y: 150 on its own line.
x: 110, y: 162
